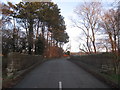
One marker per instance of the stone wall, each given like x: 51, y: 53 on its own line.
x: 100, y: 62
x: 95, y: 60
x: 17, y: 61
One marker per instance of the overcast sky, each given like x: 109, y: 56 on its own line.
x: 67, y: 7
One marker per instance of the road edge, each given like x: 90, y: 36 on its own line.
x: 97, y: 75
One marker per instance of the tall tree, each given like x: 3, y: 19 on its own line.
x: 110, y: 25
x: 88, y: 22
x: 118, y: 25
x: 39, y: 20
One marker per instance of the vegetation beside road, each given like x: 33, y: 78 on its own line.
x: 38, y: 28
x: 31, y: 29
x: 15, y: 65
x: 34, y: 28
x: 100, y: 64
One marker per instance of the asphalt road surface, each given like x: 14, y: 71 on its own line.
x: 59, y: 73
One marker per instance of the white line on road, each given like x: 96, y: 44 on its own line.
x: 60, y: 85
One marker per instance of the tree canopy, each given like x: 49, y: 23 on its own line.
x: 38, y: 20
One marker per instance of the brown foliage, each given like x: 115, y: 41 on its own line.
x: 53, y: 52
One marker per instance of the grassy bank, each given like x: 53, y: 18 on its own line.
x: 15, y: 65
x: 100, y: 65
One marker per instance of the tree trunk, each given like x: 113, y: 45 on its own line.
x: 94, y: 46
x: 88, y: 45
x: 30, y: 39
x: 93, y: 41
x: 111, y: 41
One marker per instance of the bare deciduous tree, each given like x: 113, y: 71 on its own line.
x: 118, y: 25
x: 110, y: 24
x: 88, y: 22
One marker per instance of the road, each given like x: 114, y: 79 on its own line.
x: 59, y: 73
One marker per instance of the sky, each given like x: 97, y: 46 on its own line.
x: 67, y: 7
x: 67, y: 10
